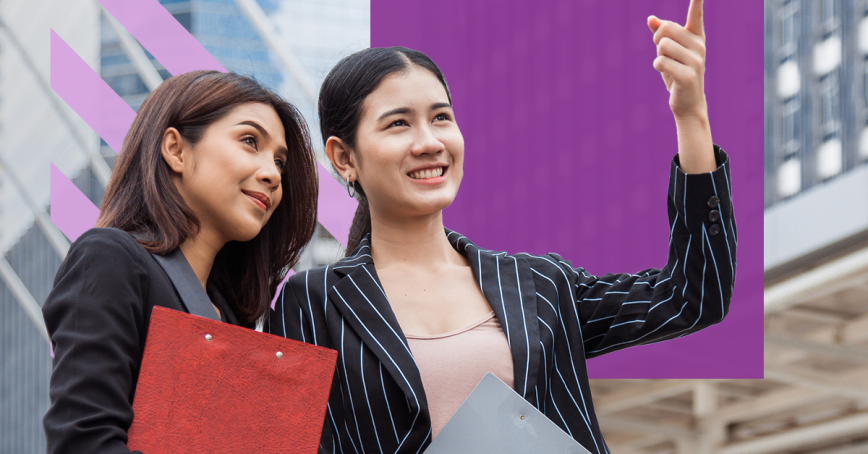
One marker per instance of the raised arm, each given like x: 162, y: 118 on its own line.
x: 681, y: 62
x: 692, y: 291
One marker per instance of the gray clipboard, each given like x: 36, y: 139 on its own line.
x: 494, y: 418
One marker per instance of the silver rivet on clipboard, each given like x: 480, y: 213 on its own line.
x: 208, y: 337
x: 279, y: 355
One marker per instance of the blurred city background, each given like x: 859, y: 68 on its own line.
x: 814, y: 398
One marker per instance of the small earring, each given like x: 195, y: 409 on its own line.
x: 351, y: 187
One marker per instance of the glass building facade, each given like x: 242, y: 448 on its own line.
x: 816, y: 93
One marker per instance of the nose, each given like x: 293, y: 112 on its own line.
x: 426, y: 141
x: 268, y: 172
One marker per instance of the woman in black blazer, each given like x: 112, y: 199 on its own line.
x: 390, y: 132
x: 212, y: 196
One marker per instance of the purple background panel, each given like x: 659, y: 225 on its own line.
x: 163, y: 36
x: 569, y: 137
x: 71, y: 211
x: 88, y: 95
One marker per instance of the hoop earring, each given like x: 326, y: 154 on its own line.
x: 351, y: 187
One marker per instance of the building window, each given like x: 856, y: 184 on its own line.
x: 863, y: 144
x: 829, y: 10
x: 830, y: 105
x: 789, y: 29
x: 790, y: 178
x: 790, y: 111
x: 830, y: 159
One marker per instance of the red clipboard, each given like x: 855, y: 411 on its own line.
x: 209, y: 387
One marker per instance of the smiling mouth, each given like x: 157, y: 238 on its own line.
x: 428, y: 173
x: 259, y: 198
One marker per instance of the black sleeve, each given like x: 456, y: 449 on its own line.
x: 94, y: 316
x: 691, y: 292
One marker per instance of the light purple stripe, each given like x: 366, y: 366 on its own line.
x: 277, y: 293
x: 335, y: 207
x: 163, y: 36
x: 88, y: 95
x: 71, y: 211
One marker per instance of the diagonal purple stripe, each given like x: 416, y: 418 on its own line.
x: 162, y: 35
x: 335, y: 208
x: 88, y: 95
x: 71, y: 211
x: 277, y: 293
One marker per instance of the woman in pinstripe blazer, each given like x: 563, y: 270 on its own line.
x: 387, y: 122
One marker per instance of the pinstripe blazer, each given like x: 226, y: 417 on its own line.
x: 554, y: 316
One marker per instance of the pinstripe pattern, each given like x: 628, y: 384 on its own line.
x: 555, y: 316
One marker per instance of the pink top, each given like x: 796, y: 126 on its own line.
x: 452, y: 364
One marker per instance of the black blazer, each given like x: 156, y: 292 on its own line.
x: 97, y: 315
x: 554, y: 317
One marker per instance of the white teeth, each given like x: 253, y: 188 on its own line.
x: 425, y: 174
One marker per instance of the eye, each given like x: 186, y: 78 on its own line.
x: 250, y: 140
x: 398, y: 123
x: 443, y: 116
x: 281, y: 165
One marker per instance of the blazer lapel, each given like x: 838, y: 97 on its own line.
x: 186, y: 283
x: 360, y: 298
x: 508, y: 285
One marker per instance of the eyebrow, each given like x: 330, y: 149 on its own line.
x: 264, y: 133
x: 406, y: 110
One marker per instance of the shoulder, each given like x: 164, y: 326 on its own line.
x: 109, y: 244
x: 550, y: 265
x: 310, y: 282
x: 104, y: 254
x: 315, y: 283
x: 323, y: 276
x: 105, y: 277
x: 104, y: 251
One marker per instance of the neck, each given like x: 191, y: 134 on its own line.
x: 200, y: 251
x: 416, y: 242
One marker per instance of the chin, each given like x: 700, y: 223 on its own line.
x: 434, y: 205
x: 246, y: 233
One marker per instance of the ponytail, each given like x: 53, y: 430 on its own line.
x: 361, y: 224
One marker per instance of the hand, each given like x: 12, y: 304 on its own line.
x: 681, y: 61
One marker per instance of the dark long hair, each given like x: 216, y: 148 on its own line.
x: 141, y: 198
x: 342, y: 98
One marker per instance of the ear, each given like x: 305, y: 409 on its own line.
x: 172, y: 149
x: 342, y: 158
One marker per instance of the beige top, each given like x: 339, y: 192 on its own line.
x: 452, y: 364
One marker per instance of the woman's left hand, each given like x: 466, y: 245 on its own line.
x: 681, y: 61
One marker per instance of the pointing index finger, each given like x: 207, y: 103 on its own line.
x: 694, y: 18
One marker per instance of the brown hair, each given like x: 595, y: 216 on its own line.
x: 342, y: 97
x: 141, y: 198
